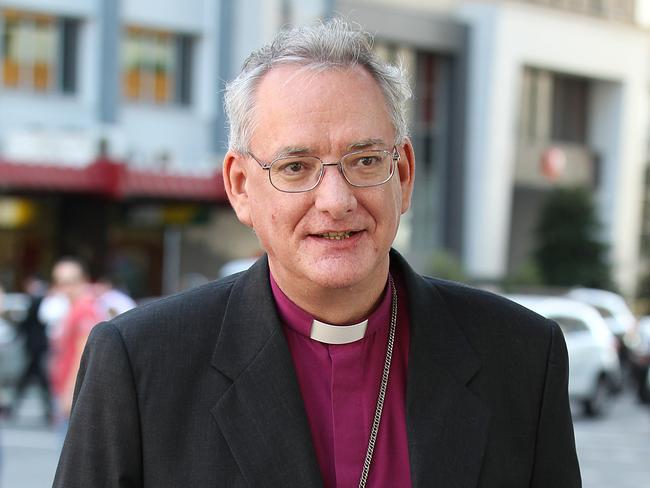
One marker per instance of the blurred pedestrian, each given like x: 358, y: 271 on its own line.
x: 69, y: 277
x: 36, y: 348
x: 54, y: 308
x: 3, y: 406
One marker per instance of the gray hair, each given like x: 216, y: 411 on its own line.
x: 332, y: 44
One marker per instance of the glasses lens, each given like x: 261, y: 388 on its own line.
x: 367, y: 168
x: 295, y: 174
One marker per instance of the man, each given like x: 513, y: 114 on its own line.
x: 329, y: 362
x: 36, y: 347
x: 69, y: 278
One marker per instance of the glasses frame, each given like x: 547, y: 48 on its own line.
x: 393, y: 154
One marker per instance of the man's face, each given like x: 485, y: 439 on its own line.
x: 68, y: 279
x: 325, y: 114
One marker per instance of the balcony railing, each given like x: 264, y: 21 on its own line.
x: 580, y: 166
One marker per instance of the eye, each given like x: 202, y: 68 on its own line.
x: 294, y: 167
x: 291, y: 168
x: 368, y: 160
x: 365, y: 161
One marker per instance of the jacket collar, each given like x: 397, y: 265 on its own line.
x: 262, y: 415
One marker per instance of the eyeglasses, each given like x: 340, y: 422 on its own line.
x: 296, y: 174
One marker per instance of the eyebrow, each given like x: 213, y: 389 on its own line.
x: 289, y: 151
x: 365, y: 143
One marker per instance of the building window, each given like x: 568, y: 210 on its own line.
x: 38, y: 52
x: 570, y: 104
x: 156, y: 66
x: 536, y: 109
x: 554, y: 107
x: 429, y: 128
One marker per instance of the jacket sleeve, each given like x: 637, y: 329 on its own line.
x: 556, y: 461
x: 103, y: 444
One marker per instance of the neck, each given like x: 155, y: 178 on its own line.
x: 336, y: 306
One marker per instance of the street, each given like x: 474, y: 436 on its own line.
x: 614, y: 451
x: 30, y: 449
x: 29, y: 457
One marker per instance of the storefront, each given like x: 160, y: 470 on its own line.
x: 139, y: 228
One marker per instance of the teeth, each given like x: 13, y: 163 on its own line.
x: 336, y: 235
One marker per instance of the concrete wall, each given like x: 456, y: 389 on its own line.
x: 25, y: 109
x: 143, y: 131
x: 183, y: 133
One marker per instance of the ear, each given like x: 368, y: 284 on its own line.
x: 235, y: 173
x: 406, y: 172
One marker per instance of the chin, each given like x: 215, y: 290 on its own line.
x: 334, y: 282
x: 335, y: 274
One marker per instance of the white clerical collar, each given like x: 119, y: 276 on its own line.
x: 337, y: 334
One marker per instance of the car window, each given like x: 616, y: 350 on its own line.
x: 604, y: 312
x: 570, y: 325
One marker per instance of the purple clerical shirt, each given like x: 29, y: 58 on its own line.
x: 340, y: 385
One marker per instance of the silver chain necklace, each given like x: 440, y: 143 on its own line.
x: 382, y: 388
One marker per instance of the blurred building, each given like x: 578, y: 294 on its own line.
x: 112, y: 128
x: 111, y: 137
x: 528, y: 94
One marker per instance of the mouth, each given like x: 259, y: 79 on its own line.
x: 337, y: 236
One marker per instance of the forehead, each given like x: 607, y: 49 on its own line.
x: 319, y: 109
x: 66, y: 271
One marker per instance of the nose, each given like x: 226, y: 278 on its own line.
x: 334, y: 195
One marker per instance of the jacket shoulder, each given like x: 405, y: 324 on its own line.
x: 192, y: 312
x: 481, y: 311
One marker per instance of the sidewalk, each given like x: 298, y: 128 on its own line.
x: 29, y: 449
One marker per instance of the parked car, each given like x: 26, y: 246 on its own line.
x: 594, y: 367
x: 638, y: 343
x: 12, y: 355
x: 622, y: 322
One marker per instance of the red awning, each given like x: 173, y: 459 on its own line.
x: 113, y: 179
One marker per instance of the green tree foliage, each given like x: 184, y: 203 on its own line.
x: 568, y: 251
x: 445, y: 265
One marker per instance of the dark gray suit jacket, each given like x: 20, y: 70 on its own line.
x: 199, y: 390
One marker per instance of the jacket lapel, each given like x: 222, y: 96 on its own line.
x: 447, y: 424
x: 261, y: 415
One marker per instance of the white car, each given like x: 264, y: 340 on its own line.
x: 611, y: 306
x: 623, y: 323
x: 638, y: 344
x: 594, y: 368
